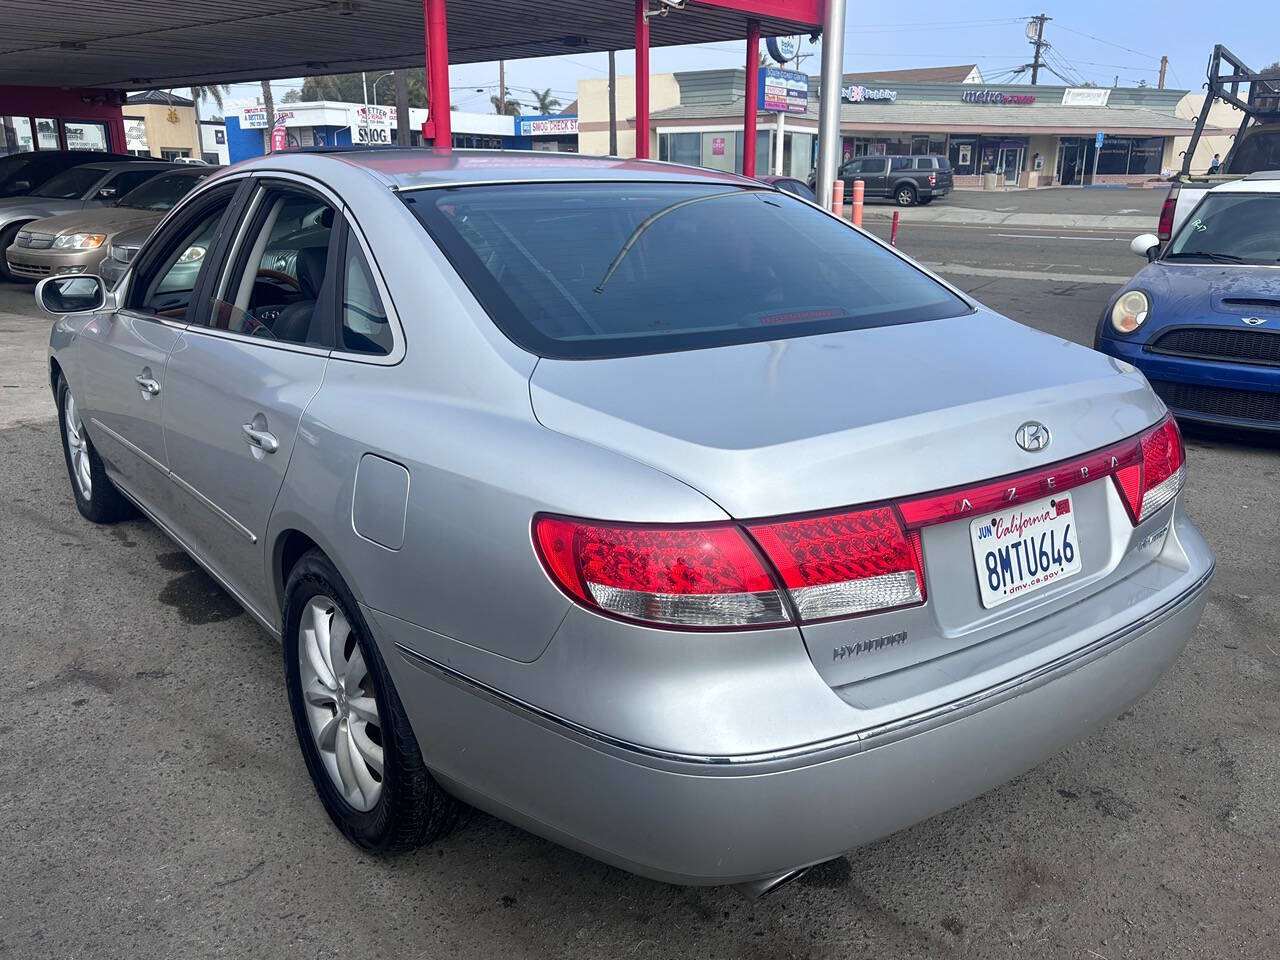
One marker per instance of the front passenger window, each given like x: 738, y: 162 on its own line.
x: 276, y: 288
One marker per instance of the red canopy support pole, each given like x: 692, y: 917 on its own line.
x: 753, y: 96
x: 438, y: 125
x: 642, y: 80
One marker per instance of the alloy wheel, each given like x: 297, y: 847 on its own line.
x: 77, y: 448
x: 342, y: 712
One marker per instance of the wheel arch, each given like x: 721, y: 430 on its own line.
x: 287, y: 549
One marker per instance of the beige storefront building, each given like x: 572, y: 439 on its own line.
x: 1024, y: 135
x: 161, y: 125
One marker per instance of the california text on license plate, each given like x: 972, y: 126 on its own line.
x: 1024, y: 548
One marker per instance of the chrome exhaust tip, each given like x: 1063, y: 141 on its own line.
x: 756, y: 889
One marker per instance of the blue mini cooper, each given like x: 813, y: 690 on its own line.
x: 1202, y: 318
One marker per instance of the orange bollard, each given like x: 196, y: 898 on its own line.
x: 837, y: 198
x: 893, y: 234
x: 858, y: 189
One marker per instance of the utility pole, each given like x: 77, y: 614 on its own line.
x: 502, y: 86
x: 613, y: 106
x: 403, y: 136
x: 1039, y: 44
x: 1164, y: 65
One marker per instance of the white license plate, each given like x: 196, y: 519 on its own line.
x: 1025, y: 548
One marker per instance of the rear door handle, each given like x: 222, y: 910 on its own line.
x: 147, y: 385
x: 262, y: 439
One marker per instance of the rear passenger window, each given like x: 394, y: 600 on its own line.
x: 900, y: 163
x: 365, y: 328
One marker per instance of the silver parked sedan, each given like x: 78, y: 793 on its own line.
x: 649, y: 508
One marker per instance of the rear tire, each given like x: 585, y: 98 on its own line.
x: 352, y: 728
x: 905, y: 195
x: 96, y: 496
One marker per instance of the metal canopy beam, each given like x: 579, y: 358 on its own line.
x: 141, y: 44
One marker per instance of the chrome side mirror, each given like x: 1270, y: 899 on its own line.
x: 1146, y: 245
x: 77, y: 293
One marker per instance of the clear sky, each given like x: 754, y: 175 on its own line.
x: 1091, y: 40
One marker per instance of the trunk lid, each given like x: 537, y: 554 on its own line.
x: 818, y: 423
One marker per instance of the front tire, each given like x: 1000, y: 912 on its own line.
x: 96, y: 496
x: 905, y: 195
x: 7, y: 237
x: 355, y: 737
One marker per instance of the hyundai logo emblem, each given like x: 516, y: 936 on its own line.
x: 1253, y: 321
x: 1032, y: 436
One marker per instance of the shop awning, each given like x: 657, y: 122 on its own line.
x: 138, y: 44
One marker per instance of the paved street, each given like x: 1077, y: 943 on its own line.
x: 155, y: 803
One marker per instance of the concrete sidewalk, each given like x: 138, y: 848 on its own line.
x: 968, y: 216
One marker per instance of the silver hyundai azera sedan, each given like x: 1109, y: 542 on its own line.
x: 649, y: 508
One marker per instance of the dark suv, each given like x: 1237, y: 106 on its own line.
x: 907, y: 180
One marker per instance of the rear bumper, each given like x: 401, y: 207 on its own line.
x: 1207, y: 391
x: 678, y: 819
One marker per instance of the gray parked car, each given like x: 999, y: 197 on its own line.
x: 647, y: 507
x: 78, y: 188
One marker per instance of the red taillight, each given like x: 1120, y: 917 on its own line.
x: 1165, y: 228
x: 684, y: 576
x: 847, y: 563
x: 837, y: 565
x: 933, y: 179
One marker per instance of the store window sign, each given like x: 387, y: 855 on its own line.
x: 856, y: 93
x: 717, y: 146
x: 783, y: 91
x: 997, y: 97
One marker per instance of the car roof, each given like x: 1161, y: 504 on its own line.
x: 406, y: 168
x: 1267, y: 181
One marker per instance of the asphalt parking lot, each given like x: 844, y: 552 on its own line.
x: 155, y: 803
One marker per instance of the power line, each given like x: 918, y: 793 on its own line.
x: 1108, y: 42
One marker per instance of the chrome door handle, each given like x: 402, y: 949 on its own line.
x: 262, y: 439
x: 147, y: 385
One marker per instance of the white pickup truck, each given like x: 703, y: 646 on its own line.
x: 1257, y: 141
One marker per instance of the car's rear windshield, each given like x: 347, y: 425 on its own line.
x: 163, y: 193
x: 1258, y: 152
x: 69, y: 184
x: 944, y: 163
x: 590, y: 270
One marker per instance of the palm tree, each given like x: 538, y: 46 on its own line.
x: 507, y: 105
x: 269, y: 102
x: 546, y: 102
